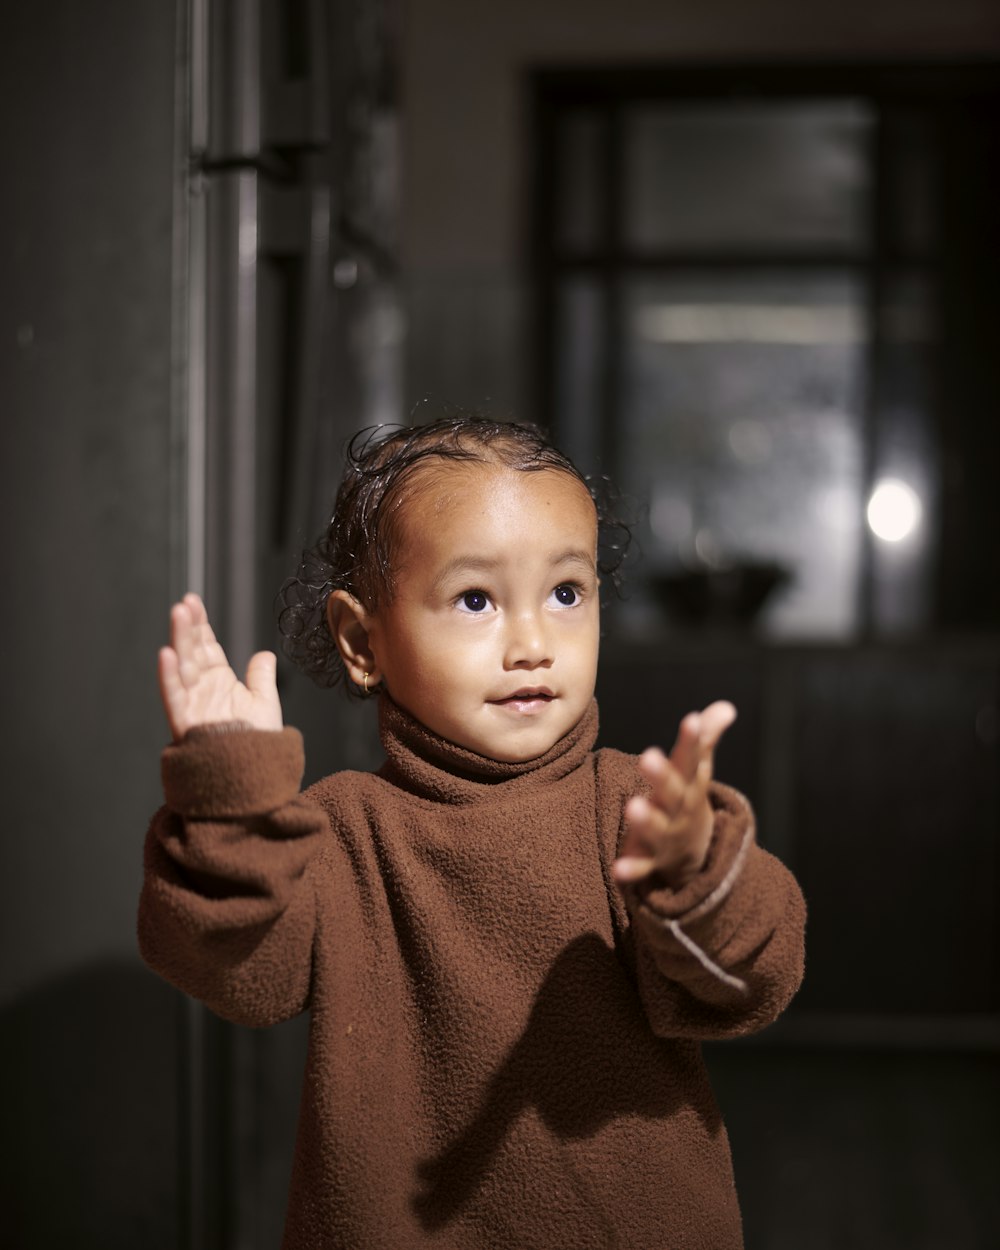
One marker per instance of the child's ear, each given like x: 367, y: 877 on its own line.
x: 348, y: 620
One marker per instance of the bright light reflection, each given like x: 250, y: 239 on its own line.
x: 894, y: 510
x: 788, y: 324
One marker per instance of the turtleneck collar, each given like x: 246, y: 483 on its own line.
x: 427, y: 765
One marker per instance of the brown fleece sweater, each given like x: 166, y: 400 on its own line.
x: 503, y: 1054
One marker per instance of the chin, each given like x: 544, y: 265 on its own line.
x: 515, y: 755
x: 519, y: 752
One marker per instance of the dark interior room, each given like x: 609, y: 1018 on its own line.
x: 741, y: 260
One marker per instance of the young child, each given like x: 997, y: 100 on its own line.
x: 510, y: 944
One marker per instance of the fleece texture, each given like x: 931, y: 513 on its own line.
x: 504, y: 1048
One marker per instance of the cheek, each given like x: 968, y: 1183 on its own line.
x: 393, y: 648
x: 586, y: 630
x: 424, y: 654
x: 587, y: 650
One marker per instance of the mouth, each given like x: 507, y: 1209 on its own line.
x: 527, y: 699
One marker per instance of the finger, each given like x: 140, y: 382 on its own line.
x: 180, y: 620
x: 196, y: 606
x: 646, y: 824
x: 635, y: 860
x: 666, y: 783
x: 715, y: 720
x: 171, y: 689
x: 632, y: 868
x: 197, y: 646
x: 182, y: 637
x: 262, y: 674
x: 698, y: 736
x: 686, y: 752
x: 207, y: 648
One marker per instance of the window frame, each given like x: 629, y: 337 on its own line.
x: 611, y: 93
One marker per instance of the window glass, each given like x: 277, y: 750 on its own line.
x: 740, y: 424
x: 739, y: 175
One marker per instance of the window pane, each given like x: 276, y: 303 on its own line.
x: 775, y: 176
x: 740, y: 425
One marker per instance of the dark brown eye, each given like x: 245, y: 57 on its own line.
x: 566, y: 595
x: 475, y: 601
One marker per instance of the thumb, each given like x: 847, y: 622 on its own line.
x: 262, y: 674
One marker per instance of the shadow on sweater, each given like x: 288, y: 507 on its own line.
x: 585, y: 1058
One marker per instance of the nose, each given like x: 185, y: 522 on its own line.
x: 527, y: 643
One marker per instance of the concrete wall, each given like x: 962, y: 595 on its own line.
x: 86, y: 1035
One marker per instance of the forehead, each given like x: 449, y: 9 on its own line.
x: 470, y: 503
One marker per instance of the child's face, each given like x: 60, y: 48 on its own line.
x: 491, y: 636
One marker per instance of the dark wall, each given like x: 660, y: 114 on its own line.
x: 866, y: 1116
x: 969, y: 572
x: 86, y: 1035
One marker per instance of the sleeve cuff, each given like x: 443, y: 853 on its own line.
x: 731, y: 841
x: 232, y: 772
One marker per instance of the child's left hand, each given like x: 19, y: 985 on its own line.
x: 670, y: 830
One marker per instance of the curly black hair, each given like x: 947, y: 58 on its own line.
x: 355, y: 551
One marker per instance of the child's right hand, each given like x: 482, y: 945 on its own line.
x: 199, y: 688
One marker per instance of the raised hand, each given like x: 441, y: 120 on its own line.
x: 670, y: 830
x: 197, y: 685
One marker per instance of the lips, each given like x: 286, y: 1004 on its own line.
x: 527, y: 694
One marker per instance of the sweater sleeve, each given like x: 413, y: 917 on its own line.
x: 226, y: 912
x: 723, y: 955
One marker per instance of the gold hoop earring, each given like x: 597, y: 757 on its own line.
x: 366, y: 683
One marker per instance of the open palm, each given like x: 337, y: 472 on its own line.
x: 197, y: 684
x: 670, y: 830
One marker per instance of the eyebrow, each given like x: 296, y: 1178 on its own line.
x: 482, y: 564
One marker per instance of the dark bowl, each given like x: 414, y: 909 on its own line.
x: 732, y: 596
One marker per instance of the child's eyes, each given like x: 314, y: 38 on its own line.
x: 474, y: 601
x: 565, y: 595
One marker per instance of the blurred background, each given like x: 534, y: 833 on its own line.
x: 741, y: 256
